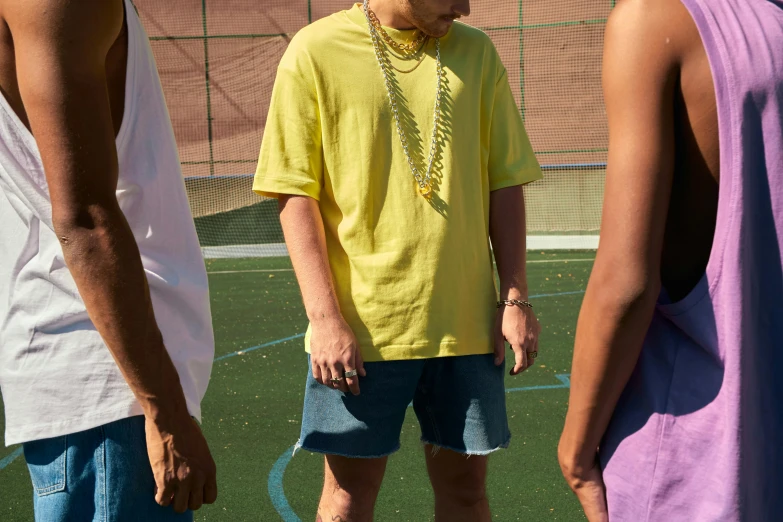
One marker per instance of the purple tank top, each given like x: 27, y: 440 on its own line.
x: 698, y: 433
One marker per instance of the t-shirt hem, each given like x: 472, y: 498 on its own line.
x: 422, y: 351
x: 522, y: 180
x: 29, y: 433
x: 273, y: 187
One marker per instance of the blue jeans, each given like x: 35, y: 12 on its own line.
x: 460, y: 403
x: 102, y: 474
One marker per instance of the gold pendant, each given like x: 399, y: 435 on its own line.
x: 426, y: 191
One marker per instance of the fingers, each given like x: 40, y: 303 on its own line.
x: 325, y: 375
x: 535, y: 349
x: 196, y: 496
x: 324, y: 372
x: 592, y: 495
x: 164, y: 492
x: 317, y: 375
x: 181, y: 498
x: 337, y: 371
x: 360, y: 363
x: 500, y: 348
x: 520, y: 360
x: 210, y: 491
x: 525, y: 347
x: 353, y: 384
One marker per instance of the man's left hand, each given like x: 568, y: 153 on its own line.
x: 520, y: 328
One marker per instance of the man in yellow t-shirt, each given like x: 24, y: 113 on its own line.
x: 396, y: 150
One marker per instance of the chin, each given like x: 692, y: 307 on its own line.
x: 438, y: 30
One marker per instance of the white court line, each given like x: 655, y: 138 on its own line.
x: 534, y: 243
x: 561, y: 260
x: 291, y: 269
x: 251, y: 271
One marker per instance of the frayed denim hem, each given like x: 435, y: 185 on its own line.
x: 462, y: 451
x: 299, y: 446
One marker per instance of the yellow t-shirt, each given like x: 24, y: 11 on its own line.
x: 414, y: 278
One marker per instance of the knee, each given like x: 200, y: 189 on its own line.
x: 461, y: 489
x: 354, y: 499
x: 352, y: 495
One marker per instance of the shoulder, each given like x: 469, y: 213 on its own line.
x: 473, y: 41
x: 645, y: 44
x: 317, y: 36
x: 317, y: 41
x: 87, y: 25
x: 473, y: 38
x: 663, y: 27
x: 464, y: 31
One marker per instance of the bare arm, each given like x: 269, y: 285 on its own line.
x: 508, y: 231
x: 641, y: 61
x: 333, y: 346
x: 61, y: 50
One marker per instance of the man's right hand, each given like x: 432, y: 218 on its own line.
x: 333, y: 346
x: 334, y: 351
x: 185, y: 474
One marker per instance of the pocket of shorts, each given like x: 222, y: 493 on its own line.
x: 46, y: 460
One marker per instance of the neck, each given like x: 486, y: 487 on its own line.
x: 389, y: 14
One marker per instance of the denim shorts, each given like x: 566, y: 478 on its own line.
x: 102, y: 474
x: 460, y: 403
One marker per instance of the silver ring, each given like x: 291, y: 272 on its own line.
x: 351, y: 373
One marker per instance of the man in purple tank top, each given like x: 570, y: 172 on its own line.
x: 676, y: 407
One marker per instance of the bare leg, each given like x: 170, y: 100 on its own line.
x: 350, y: 489
x: 459, y: 485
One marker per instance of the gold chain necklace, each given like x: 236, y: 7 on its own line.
x: 405, y: 48
x: 419, y: 62
x: 425, y: 187
x: 410, y: 48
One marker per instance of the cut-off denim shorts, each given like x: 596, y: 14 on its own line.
x: 460, y: 403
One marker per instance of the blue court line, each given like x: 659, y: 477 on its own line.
x: 13, y: 456
x: 5, y: 461
x: 299, y: 336
x: 557, y: 294
x: 274, y: 487
x: 563, y: 378
x: 275, y: 479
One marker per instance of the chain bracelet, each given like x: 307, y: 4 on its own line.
x: 514, y: 302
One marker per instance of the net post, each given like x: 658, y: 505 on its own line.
x: 209, y: 96
x: 521, y: 25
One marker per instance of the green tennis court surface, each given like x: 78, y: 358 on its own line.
x: 252, y: 412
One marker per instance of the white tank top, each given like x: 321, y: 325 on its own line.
x: 57, y: 375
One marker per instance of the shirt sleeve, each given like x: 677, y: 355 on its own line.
x: 511, y: 158
x: 291, y: 158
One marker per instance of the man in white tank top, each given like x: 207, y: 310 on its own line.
x: 106, y: 343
